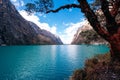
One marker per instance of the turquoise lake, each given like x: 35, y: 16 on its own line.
x: 50, y: 62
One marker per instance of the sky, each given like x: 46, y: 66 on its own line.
x: 63, y: 24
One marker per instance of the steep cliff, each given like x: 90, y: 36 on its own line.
x: 86, y: 35
x: 15, y: 30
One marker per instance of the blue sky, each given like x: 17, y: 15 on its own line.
x: 63, y: 24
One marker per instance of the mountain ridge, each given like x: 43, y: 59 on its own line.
x: 15, y: 30
x: 86, y: 35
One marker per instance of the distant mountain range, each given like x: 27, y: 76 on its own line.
x: 15, y: 30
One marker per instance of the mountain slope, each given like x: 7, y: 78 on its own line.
x: 86, y: 35
x: 15, y: 30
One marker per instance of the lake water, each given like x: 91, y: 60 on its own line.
x: 51, y: 62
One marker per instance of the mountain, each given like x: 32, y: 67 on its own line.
x: 44, y: 36
x: 86, y: 35
x: 15, y: 30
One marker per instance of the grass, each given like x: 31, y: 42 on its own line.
x: 98, y: 68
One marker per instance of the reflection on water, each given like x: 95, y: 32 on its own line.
x: 72, y: 50
x: 53, y: 52
x: 44, y: 62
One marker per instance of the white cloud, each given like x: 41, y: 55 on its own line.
x: 36, y: 20
x: 13, y: 0
x: 22, y: 3
x: 70, y: 10
x: 54, y: 29
x: 18, y: 3
x: 68, y: 33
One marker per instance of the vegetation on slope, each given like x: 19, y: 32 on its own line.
x: 98, y: 68
x: 88, y: 37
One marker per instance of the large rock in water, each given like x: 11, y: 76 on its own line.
x: 15, y: 30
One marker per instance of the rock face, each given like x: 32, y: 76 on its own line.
x: 44, y: 36
x: 15, y: 30
x: 86, y: 35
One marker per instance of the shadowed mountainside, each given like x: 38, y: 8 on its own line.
x: 15, y: 30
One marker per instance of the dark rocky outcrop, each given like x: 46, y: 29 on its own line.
x: 15, y: 30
